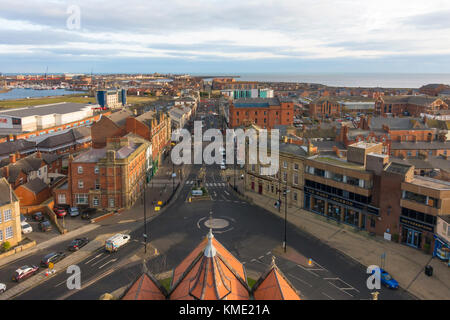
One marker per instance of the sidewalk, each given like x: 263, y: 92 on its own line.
x: 405, y: 264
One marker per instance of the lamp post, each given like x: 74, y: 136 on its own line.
x: 145, y: 219
x: 285, y: 218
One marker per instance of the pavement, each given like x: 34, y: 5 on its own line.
x: 405, y: 264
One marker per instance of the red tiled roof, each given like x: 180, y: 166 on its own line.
x: 274, y: 286
x: 210, y: 272
x: 144, y: 288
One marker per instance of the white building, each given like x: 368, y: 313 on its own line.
x: 13, y: 121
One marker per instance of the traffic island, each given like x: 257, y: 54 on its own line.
x: 198, y: 194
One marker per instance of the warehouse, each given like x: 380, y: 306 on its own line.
x: 15, y: 121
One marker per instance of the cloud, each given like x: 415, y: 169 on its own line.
x: 213, y: 30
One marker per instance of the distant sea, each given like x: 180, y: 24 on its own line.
x: 383, y: 80
x: 24, y: 93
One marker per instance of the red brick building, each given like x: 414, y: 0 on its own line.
x: 409, y: 105
x: 324, y: 107
x: 111, y: 177
x: 264, y: 112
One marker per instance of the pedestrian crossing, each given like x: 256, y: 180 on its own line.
x: 209, y: 184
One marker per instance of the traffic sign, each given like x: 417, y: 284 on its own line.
x: 159, y: 203
x: 50, y: 265
x: 157, y: 208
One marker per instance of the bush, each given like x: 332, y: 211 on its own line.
x: 6, y: 246
x: 395, y: 237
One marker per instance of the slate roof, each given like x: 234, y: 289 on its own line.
x: 397, y: 167
x: 28, y: 164
x: 397, y: 123
x: 293, y: 149
x: 420, y: 145
x: 256, y: 102
x: 120, y: 117
x: 69, y: 137
x: 421, y: 100
x: 6, y: 193
x: 21, y: 145
x: 36, y: 185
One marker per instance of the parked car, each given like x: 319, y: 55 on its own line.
x: 2, y: 287
x: 45, y: 226
x: 38, y: 216
x: 25, y: 272
x: 60, y: 212
x: 74, y: 212
x: 52, y: 257
x: 387, y: 280
x: 26, y: 228
x: 88, y: 213
x: 76, y: 244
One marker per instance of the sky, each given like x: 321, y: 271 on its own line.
x: 212, y: 36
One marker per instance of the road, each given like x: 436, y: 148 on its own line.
x: 249, y: 232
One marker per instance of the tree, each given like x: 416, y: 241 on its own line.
x: 6, y: 246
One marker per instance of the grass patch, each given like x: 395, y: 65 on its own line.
x: 166, y: 283
x: 251, y: 282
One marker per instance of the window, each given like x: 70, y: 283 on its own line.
x: 7, y: 214
x: 9, y: 232
x: 97, y: 184
x: 285, y: 164
x: 80, y: 169
x: 96, y: 170
x: 95, y: 202
x: 296, y: 166
x: 111, y: 202
x: 0, y: 216
x: 80, y: 184
x: 295, y: 178
x: 284, y: 176
x: 81, y: 198
x: 62, y: 198
x: 295, y: 196
x: 1, y: 235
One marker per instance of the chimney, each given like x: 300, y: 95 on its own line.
x: 12, y: 158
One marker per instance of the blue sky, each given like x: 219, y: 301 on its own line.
x: 211, y: 36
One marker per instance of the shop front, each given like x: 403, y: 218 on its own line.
x: 441, y: 249
x: 415, y: 234
x: 337, y: 208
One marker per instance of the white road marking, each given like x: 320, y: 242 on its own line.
x: 261, y: 257
x: 113, y: 260
x: 327, y: 296
x: 306, y: 269
x: 94, y: 258
x: 349, y: 287
x: 99, y: 261
x: 268, y: 252
x: 60, y: 283
x: 227, y: 193
x: 301, y: 280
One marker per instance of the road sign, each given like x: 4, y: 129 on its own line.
x: 50, y: 265
x: 157, y: 208
x: 159, y: 203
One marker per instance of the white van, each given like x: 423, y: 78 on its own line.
x: 115, y: 242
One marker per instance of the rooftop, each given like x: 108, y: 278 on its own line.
x: 431, y: 183
x: 338, y: 162
x: 55, y: 108
x: 6, y: 193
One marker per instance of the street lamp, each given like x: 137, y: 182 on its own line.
x: 285, y: 217
x: 145, y: 219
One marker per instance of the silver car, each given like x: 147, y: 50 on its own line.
x: 2, y: 287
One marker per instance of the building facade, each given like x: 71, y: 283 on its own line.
x: 10, y: 228
x: 265, y: 113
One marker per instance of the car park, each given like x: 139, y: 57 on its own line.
x: 74, y: 212
x: 88, y: 213
x: 45, y: 226
x: 38, y: 216
x: 26, y: 228
x: 2, y: 287
x: 53, y: 258
x: 77, y: 244
x: 25, y: 272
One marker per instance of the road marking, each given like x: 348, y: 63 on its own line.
x: 301, y: 280
x: 227, y: 193
x: 126, y: 221
x: 268, y: 252
x: 99, y: 261
x: 349, y: 287
x: 308, y: 270
x: 60, y: 283
x: 94, y: 258
x: 327, y: 296
x: 113, y: 260
x: 253, y: 260
x: 261, y: 257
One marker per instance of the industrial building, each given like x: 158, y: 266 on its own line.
x: 29, y: 119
